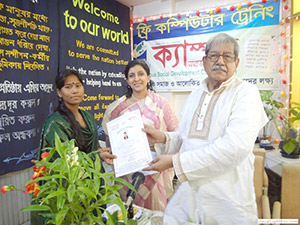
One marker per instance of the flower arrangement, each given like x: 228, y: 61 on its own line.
x: 68, y: 187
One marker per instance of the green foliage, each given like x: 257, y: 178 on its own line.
x: 284, y: 124
x: 289, y: 145
x: 271, y: 106
x: 74, y: 190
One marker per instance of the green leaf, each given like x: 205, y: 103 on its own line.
x: 57, y: 164
x: 295, y: 103
x: 112, y: 218
x: 61, y: 215
x: 51, y: 152
x: 96, y: 172
x: 266, y: 95
x: 97, y: 183
x: 293, y: 119
x: 97, y: 163
x: 45, y: 178
x: 49, y: 216
x: 97, y: 219
x: 53, y: 194
x: 120, y: 203
x: 293, y: 111
x: 78, y: 208
x: 124, y: 182
x: 87, y: 191
x: 74, y: 174
x: 289, y: 146
x: 70, y: 144
x: 71, y: 191
x: 61, y: 199
x: 36, y: 208
x: 132, y: 222
x: 58, y: 145
x: 88, y: 159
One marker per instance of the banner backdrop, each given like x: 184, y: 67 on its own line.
x: 95, y: 40
x: 37, y: 40
x: 28, y: 64
x: 174, y: 47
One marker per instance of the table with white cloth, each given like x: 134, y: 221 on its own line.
x: 274, y: 161
x: 273, y: 166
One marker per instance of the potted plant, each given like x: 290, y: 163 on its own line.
x: 289, y: 135
x: 271, y: 108
x: 71, y: 189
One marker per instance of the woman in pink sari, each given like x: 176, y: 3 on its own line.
x: 156, y: 112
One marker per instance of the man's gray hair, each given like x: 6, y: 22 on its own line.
x: 223, y: 38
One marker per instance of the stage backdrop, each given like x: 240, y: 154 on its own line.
x: 174, y: 46
x: 37, y: 40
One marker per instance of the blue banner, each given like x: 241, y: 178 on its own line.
x: 257, y: 15
x: 37, y: 40
x: 174, y: 47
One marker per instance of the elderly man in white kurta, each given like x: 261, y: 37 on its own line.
x: 212, y: 150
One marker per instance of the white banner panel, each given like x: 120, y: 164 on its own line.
x: 176, y: 63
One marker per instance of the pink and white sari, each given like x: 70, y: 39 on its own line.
x: 156, y: 112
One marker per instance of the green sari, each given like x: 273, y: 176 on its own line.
x: 57, y: 124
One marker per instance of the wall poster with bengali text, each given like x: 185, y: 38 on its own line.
x: 37, y: 40
x: 28, y: 63
x: 174, y: 47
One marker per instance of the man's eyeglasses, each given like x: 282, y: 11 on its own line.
x: 228, y: 58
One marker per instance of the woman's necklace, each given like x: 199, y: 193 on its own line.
x: 134, y: 98
x: 140, y: 102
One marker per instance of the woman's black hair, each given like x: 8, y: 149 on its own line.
x: 143, y: 64
x: 64, y: 111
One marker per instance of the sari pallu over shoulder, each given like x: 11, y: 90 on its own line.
x: 55, y: 123
x: 157, y: 113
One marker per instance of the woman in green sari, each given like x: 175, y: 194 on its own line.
x: 69, y: 122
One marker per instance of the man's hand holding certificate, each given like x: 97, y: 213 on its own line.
x: 129, y: 143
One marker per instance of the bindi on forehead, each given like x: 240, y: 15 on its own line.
x: 72, y: 83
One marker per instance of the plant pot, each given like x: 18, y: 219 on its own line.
x: 265, y: 143
x: 294, y: 154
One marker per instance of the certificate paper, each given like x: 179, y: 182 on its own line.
x: 129, y: 143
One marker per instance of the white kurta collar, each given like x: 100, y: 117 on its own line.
x: 203, y: 84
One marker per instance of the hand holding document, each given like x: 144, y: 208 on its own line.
x: 129, y: 143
